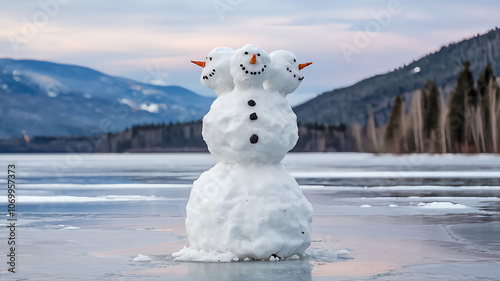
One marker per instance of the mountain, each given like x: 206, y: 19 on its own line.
x: 351, y: 104
x: 50, y: 99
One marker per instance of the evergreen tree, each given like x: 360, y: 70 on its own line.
x: 431, y: 108
x: 483, y: 94
x: 394, y: 125
x: 464, y: 91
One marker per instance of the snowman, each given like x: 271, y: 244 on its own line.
x: 215, y: 74
x: 248, y: 206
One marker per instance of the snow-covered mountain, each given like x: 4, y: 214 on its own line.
x: 350, y: 105
x: 49, y: 99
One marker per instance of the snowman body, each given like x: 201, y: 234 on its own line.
x: 248, y: 204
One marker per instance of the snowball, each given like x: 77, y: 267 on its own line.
x: 227, y: 128
x: 253, y: 211
x: 285, y: 75
x: 215, y: 75
x: 247, y: 74
x: 141, y: 258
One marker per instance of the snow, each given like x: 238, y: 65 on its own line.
x: 215, y: 74
x: 247, y: 205
x: 251, y: 211
x: 152, y: 107
x: 365, y: 206
x: 141, y: 258
x: 190, y: 254
x: 285, y: 75
x: 442, y: 205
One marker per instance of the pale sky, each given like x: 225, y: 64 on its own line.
x: 154, y: 40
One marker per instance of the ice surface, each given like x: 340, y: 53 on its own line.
x: 409, y: 242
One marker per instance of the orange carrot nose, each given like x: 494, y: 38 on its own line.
x: 200, y: 63
x: 302, y: 65
x: 253, y: 60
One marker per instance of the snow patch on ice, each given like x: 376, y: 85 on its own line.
x: 328, y: 255
x: 393, y: 205
x: 442, y: 205
x: 141, y: 258
x: 366, y: 206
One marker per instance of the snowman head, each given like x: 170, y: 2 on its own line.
x: 250, y: 66
x: 215, y: 74
x: 285, y: 74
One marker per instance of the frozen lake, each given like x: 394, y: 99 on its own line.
x: 376, y: 217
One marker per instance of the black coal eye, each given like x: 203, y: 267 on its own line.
x: 294, y: 60
x: 246, y: 53
x: 258, y: 55
x: 210, y: 58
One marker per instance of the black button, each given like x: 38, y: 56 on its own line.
x: 254, y: 138
x: 251, y: 103
x: 253, y: 116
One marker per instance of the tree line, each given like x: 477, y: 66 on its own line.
x: 467, y: 123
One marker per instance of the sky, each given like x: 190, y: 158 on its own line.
x: 153, y: 41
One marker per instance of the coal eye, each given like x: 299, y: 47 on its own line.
x: 210, y: 58
x: 258, y: 55
x: 246, y: 53
x: 294, y: 60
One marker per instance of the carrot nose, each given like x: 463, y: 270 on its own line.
x: 253, y: 60
x: 199, y: 63
x: 302, y: 65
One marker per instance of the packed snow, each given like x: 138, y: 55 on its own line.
x: 142, y: 258
x: 442, y: 205
x: 248, y: 206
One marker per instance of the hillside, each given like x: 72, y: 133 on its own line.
x: 49, y: 99
x: 350, y: 105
